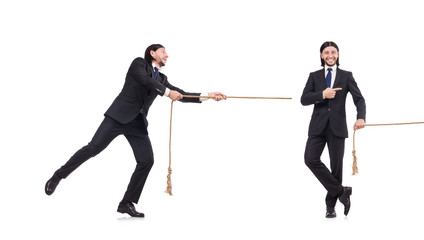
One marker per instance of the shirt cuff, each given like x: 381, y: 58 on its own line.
x: 167, y: 90
x: 203, y: 99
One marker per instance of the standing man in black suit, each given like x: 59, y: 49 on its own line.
x: 327, y: 90
x: 127, y: 116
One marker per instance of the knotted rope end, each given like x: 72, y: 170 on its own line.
x: 169, y: 183
x: 355, y: 163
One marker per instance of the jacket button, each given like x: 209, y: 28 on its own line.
x: 329, y: 109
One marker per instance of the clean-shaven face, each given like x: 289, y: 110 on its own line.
x: 160, y: 56
x: 330, y: 55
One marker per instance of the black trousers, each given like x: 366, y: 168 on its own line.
x: 331, y: 180
x: 136, y: 134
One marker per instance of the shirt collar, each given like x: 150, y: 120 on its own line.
x: 333, y: 67
x: 154, y: 65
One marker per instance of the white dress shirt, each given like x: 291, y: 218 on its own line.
x: 333, y: 76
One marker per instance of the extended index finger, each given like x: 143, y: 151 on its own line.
x: 337, y: 89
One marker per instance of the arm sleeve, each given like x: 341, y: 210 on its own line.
x: 357, y: 97
x: 138, y: 71
x: 309, y: 95
x: 171, y: 87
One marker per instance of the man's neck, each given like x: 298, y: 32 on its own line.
x: 154, y: 64
x: 332, y: 67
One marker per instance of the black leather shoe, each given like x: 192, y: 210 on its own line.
x: 51, y: 184
x: 345, y: 199
x: 331, y: 213
x: 130, y: 209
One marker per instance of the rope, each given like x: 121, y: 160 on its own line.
x: 355, y: 163
x: 168, y: 182
x: 192, y: 96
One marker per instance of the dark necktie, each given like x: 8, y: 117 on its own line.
x: 156, y: 72
x: 328, y: 78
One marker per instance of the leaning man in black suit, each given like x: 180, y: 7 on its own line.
x: 127, y: 116
x: 327, y: 89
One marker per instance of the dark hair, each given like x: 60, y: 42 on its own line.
x: 328, y: 44
x: 147, y: 56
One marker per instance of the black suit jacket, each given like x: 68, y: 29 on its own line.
x: 331, y: 111
x: 139, y: 92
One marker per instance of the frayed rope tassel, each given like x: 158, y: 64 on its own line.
x: 169, y: 183
x: 355, y: 163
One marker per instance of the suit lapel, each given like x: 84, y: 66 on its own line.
x: 152, y: 72
x: 339, y: 73
x: 160, y: 79
x: 322, y: 82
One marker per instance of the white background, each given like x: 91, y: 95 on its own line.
x: 238, y: 164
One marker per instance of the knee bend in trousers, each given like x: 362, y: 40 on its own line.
x: 144, y: 166
x: 146, y: 163
x: 150, y: 163
x: 312, y: 162
x: 92, y: 149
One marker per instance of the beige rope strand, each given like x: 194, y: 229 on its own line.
x: 388, y: 124
x: 355, y: 163
x: 193, y: 96
x: 169, y: 183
